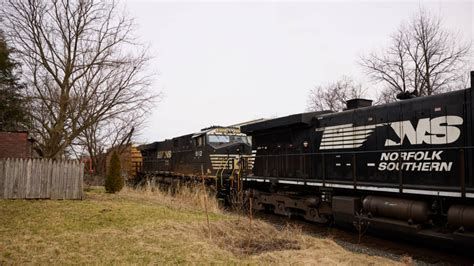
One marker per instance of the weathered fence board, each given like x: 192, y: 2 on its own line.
x: 2, y: 179
x: 40, y: 179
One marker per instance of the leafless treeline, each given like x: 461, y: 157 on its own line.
x: 333, y: 96
x: 88, y: 81
x: 423, y: 59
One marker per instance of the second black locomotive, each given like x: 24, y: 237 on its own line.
x: 403, y: 167
x: 216, y: 155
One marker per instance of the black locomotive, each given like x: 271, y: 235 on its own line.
x: 217, y: 155
x: 402, y: 167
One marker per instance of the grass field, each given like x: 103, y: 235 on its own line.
x: 149, y: 227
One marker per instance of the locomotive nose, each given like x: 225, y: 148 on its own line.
x: 230, y: 157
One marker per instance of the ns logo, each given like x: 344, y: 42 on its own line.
x: 435, y: 131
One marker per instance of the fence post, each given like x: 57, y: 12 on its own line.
x: 54, y: 181
x: 2, y: 179
x: 6, y: 184
x: 29, y: 187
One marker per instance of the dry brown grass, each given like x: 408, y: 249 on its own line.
x: 151, y: 227
x: 185, y: 197
x: 263, y: 243
x: 253, y: 240
x: 243, y: 238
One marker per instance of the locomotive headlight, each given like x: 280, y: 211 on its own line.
x: 305, y: 144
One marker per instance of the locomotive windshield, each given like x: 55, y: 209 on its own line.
x: 228, y: 139
x: 219, y: 139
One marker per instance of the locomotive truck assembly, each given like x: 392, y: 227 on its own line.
x: 403, y: 167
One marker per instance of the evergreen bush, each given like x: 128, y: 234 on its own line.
x: 114, y: 181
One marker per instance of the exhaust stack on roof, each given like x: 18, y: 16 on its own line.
x: 358, y: 103
x: 472, y: 80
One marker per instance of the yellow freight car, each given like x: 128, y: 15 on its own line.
x: 130, y: 160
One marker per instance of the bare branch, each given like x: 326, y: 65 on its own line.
x: 333, y: 96
x: 423, y: 58
x: 82, y: 65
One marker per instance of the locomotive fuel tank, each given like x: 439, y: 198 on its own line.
x: 461, y: 216
x: 400, y: 209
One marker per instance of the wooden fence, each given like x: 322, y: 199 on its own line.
x: 40, y: 179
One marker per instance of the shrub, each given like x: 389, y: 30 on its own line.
x: 114, y: 181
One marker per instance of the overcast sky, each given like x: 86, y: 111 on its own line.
x: 220, y: 63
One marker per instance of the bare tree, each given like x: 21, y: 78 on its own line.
x: 117, y: 132
x: 333, y: 96
x: 423, y: 59
x: 82, y: 65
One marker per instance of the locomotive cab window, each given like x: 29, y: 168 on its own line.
x: 241, y: 139
x: 229, y: 139
x: 199, y: 141
x: 218, y: 139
